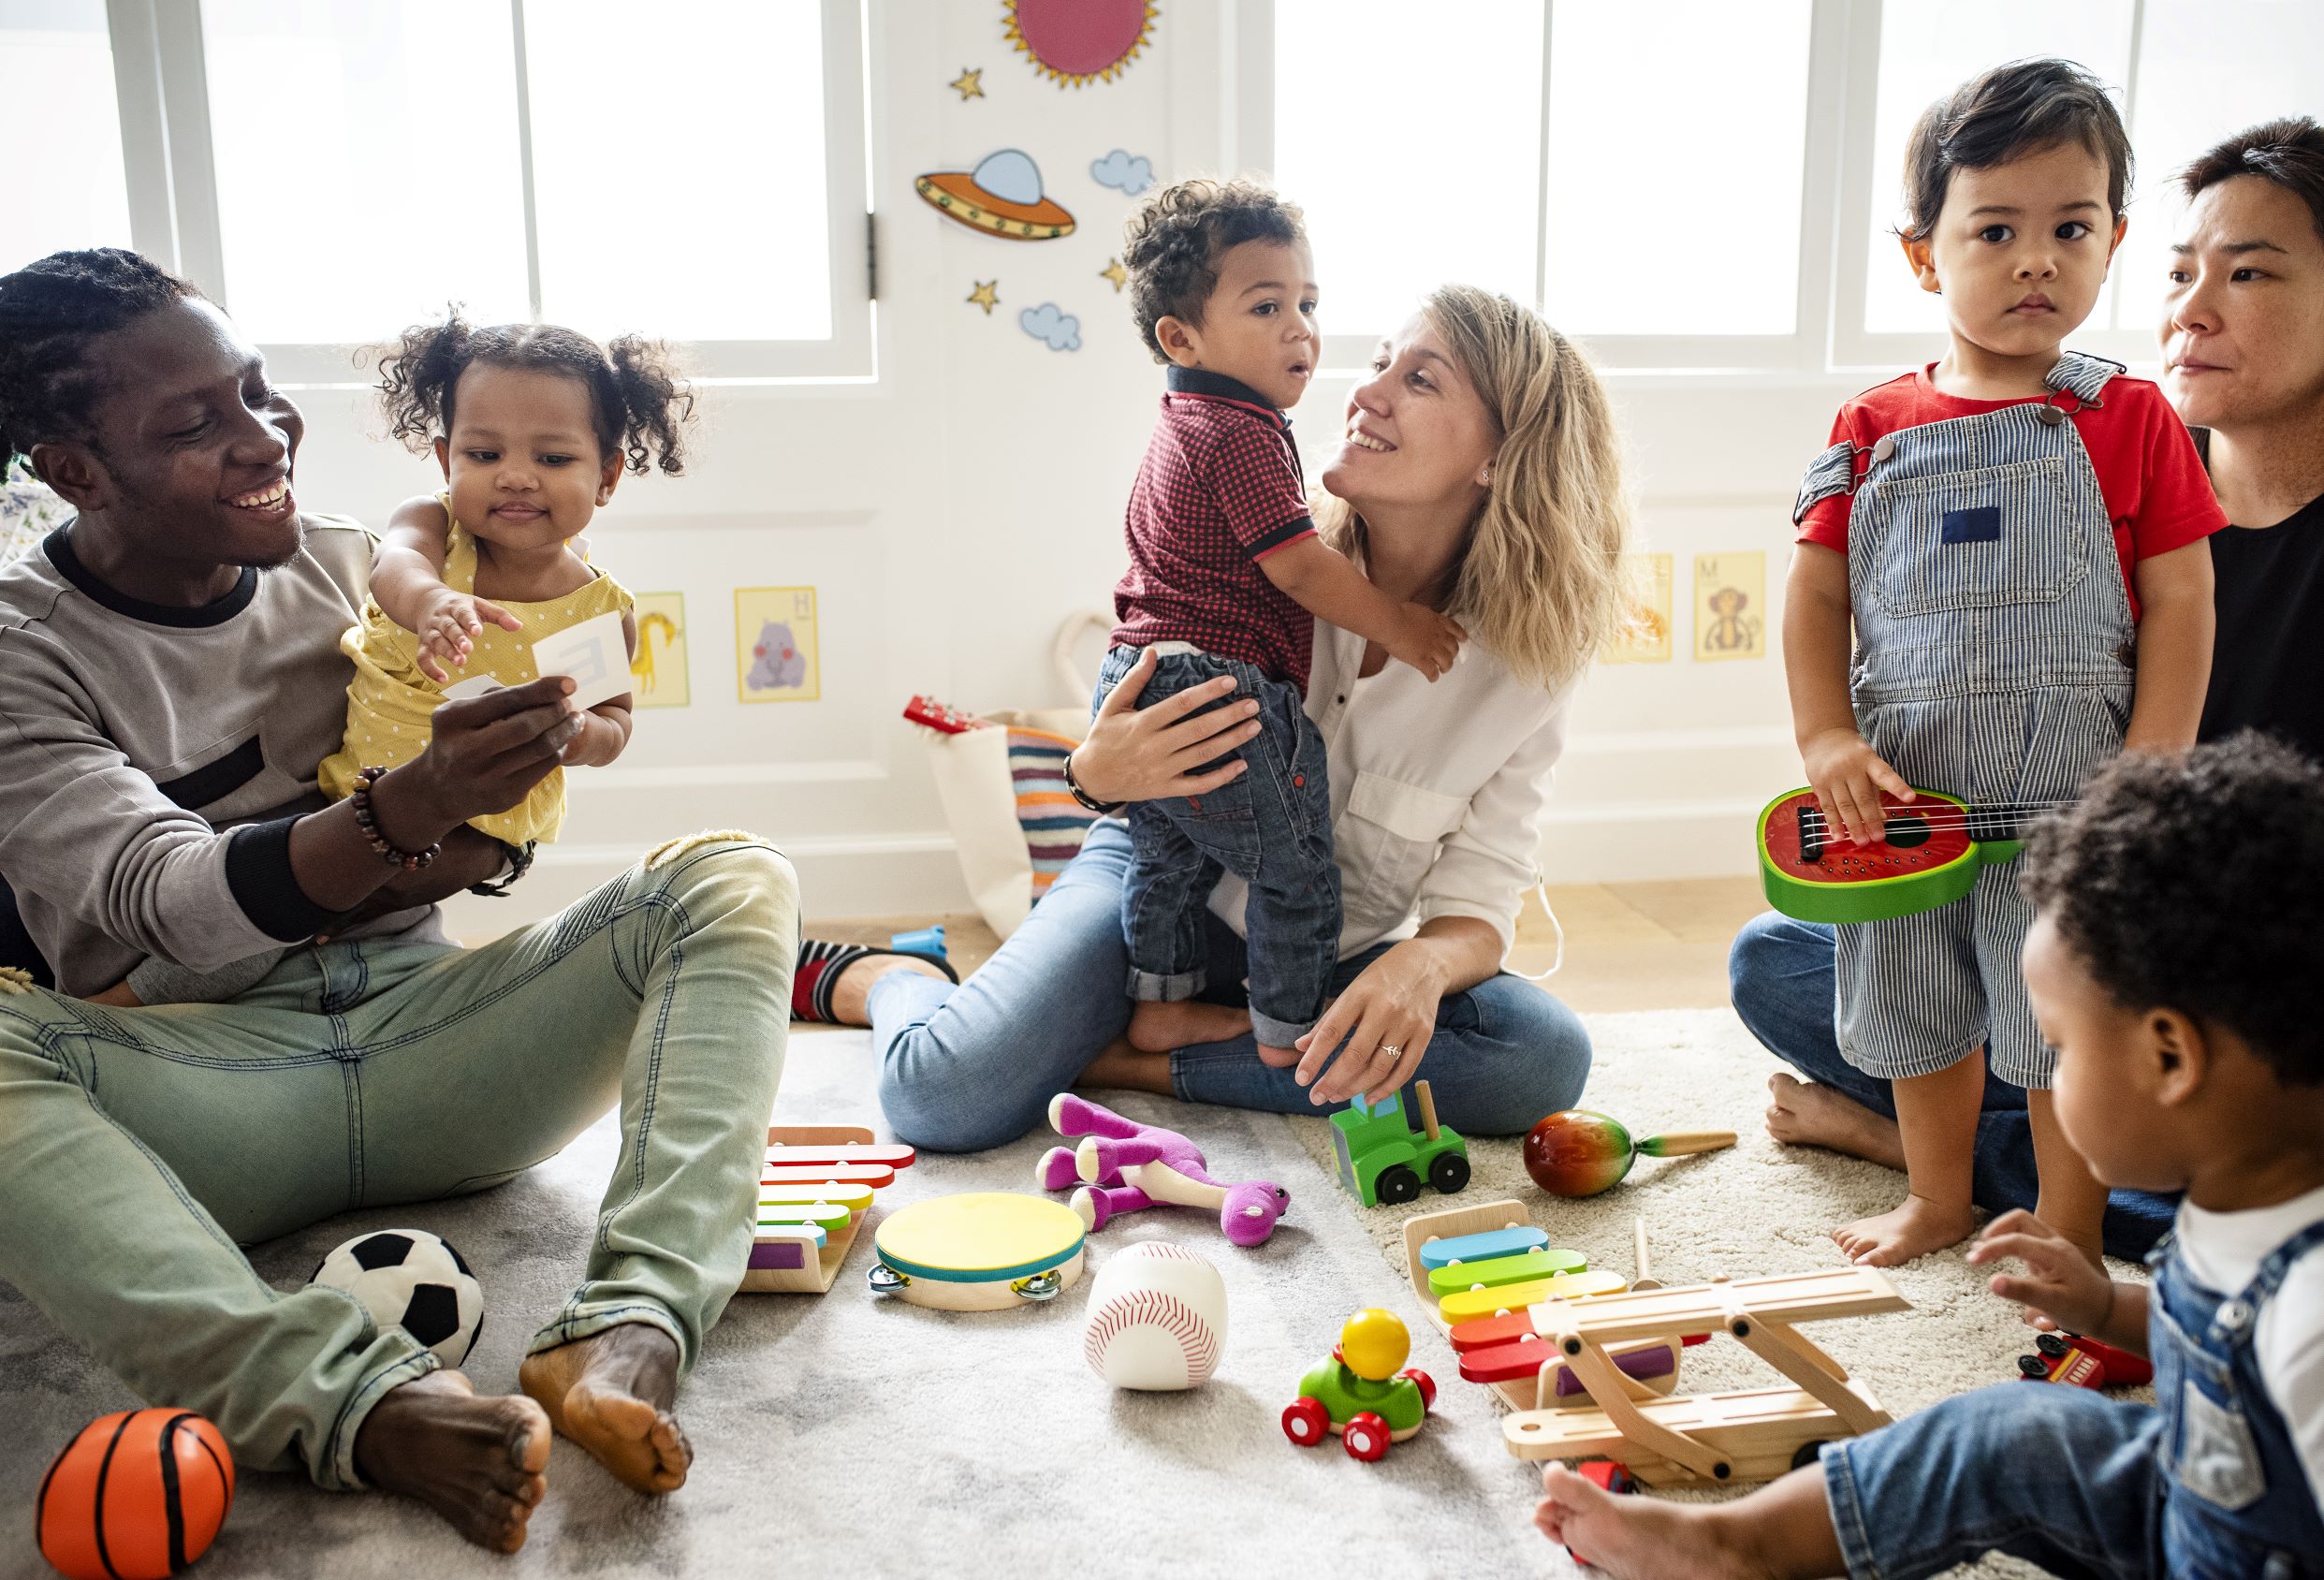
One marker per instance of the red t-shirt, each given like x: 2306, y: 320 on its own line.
x: 1219, y: 490
x: 2157, y: 492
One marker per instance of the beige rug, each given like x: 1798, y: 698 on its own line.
x: 841, y: 1436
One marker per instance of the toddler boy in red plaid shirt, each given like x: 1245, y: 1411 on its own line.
x: 1226, y: 578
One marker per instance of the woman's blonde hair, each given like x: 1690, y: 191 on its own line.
x: 1540, y: 581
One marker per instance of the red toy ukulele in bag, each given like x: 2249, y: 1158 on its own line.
x: 1935, y: 846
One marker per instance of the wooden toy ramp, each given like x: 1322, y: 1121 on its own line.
x: 1749, y: 1435
x: 813, y: 1192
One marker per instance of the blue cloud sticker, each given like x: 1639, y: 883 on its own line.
x: 1130, y: 173
x: 1058, y: 330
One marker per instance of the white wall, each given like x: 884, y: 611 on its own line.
x: 951, y: 513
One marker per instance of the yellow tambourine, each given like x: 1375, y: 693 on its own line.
x: 982, y: 1252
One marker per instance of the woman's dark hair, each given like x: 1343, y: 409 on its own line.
x: 50, y: 312
x: 2196, y: 883
x: 636, y: 401
x: 2021, y: 107
x: 2289, y: 152
x: 1174, y: 243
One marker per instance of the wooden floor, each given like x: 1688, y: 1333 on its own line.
x: 1661, y: 945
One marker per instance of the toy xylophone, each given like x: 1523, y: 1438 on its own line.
x: 813, y: 1192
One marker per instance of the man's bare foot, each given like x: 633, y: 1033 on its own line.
x: 611, y: 1393
x: 1165, y: 1028
x: 1913, y: 1227
x: 1123, y: 1068
x: 1805, y: 1114
x: 1631, y: 1535
x: 851, y: 991
x: 477, y: 1461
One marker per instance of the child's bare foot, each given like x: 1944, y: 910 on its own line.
x: 2088, y: 1241
x: 1913, y: 1227
x: 611, y: 1393
x: 1165, y: 1028
x: 1631, y: 1535
x: 1805, y: 1114
x: 478, y: 1462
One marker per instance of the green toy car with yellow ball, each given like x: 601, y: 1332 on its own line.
x: 1360, y: 1393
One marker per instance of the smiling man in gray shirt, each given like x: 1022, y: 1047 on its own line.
x: 169, y: 679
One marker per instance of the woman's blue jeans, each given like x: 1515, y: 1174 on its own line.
x: 974, y: 1066
x: 1780, y: 974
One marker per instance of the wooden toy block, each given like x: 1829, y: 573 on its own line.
x: 808, y: 1213
x: 1481, y: 1248
x: 1465, y: 1304
x: 1524, y: 1267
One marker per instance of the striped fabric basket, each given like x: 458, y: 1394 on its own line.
x: 1014, y: 822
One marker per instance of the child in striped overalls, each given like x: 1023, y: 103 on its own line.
x: 2015, y: 534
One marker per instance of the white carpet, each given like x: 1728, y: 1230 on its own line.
x: 837, y: 1434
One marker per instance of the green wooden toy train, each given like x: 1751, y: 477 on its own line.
x: 1382, y: 1159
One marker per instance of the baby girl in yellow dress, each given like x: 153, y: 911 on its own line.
x: 534, y: 426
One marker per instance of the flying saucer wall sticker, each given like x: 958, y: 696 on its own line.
x: 1078, y: 41
x: 1001, y: 196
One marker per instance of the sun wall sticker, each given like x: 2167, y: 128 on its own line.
x: 1079, y: 41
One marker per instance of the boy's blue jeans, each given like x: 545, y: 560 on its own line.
x: 2056, y: 1475
x: 1272, y: 827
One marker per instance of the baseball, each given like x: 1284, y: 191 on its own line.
x: 1157, y: 1318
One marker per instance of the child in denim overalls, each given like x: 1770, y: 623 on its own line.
x: 2173, y: 967
x: 2016, y: 535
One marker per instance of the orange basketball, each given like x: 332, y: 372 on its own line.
x: 137, y: 1496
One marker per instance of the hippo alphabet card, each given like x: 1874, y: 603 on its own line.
x: 775, y: 645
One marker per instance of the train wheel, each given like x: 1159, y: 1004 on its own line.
x: 1366, y: 1437
x: 1305, y: 1421
x: 1396, y: 1186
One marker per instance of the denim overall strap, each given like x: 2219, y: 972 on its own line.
x: 2082, y: 376
x: 2236, y: 1494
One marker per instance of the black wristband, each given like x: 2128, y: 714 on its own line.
x: 1101, y: 808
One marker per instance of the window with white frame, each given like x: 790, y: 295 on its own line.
x: 334, y: 170
x: 1698, y: 183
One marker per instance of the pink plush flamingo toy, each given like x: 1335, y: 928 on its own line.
x: 1123, y: 1166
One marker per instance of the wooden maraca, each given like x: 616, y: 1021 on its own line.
x: 1575, y: 1152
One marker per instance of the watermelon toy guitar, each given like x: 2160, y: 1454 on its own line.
x: 1935, y: 844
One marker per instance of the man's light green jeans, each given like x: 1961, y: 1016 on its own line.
x: 137, y: 1147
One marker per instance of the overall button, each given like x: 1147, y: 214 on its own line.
x: 2049, y: 416
x: 1885, y: 447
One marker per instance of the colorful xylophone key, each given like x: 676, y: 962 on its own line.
x: 1508, y: 1363
x: 874, y: 1175
x: 1525, y: 1266
x: 1467, y: 1304
x: 1511, y: 1241
x: 887, y: 1154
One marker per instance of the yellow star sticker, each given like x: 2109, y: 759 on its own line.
x: 984, y: 295
x: 1114, y: 271
x: 970, y: 85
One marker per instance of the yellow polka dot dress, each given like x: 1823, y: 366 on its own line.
x: 390, y: 701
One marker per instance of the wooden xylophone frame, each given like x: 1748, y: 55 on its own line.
x: 1685, y: 1438
x: 820, y: 1268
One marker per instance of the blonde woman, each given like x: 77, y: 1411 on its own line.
x: 1477, y: 472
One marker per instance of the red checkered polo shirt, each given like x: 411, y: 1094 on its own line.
x: 1218, y: 492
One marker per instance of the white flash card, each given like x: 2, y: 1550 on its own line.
x: 475, y: 685
x: 593, y: 653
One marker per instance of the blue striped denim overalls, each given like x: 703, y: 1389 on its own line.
x: 1993, y: 662
x: 2236, y: 1504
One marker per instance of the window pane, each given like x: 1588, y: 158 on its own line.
x: 56, y: 96
x: 687, y: 155
x: 1926, y: 51
x: 367, y: 164
x: 2205, y: 72
x: 1671, y: 125
x: 1413, y: 145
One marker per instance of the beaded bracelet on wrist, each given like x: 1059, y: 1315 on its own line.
x: 1102, y: 808
x: 365, y: 819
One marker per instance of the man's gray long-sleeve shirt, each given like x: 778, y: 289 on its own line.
x: 152, y: 760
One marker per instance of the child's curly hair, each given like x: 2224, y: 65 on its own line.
x: 2196, y: 883
x: 1173, y: 245
x: 635, y: 398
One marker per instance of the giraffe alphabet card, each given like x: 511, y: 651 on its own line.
x: 658, y: 670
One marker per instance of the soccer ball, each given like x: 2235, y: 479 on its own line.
x: 411, y: 1279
